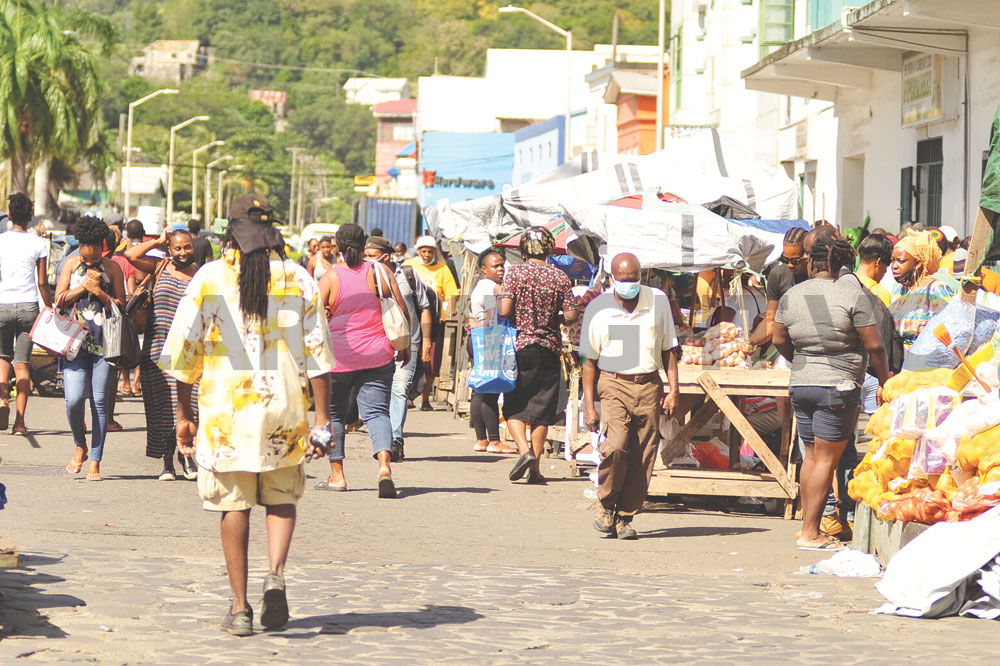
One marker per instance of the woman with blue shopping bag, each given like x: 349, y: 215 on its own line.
x: 490, y: 343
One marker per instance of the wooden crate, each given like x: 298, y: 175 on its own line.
x: 8, y: 555
x: 882, y: 538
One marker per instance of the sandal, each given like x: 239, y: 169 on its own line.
x: 74, y: 467
x: 501, y: 448
x: 481, y: 446
x: 93, y: 476
x: 114, y: 426
x: 326, y: 485
x: 831, y: 545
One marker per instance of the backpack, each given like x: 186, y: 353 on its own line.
x: 432, y: 298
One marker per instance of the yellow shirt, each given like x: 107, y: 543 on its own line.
x: 948, y: 263
x: 874, y: 287
x: 254, y: 391
x: 438, y: 277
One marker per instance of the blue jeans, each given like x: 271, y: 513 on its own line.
x: 869, y: 394
x: 88, y: 371
x: 373, y: 387
x: 402, y: 378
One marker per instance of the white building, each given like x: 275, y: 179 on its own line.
x: 712, y: 41
x: 370, y: 91
x: 906, y: 91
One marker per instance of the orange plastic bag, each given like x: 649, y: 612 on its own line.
x: 709, y: 456
x: 923, y: 505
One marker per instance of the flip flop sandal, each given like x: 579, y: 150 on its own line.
x: 831, y: 546
x: 481, y: 446
x: 500, y: 448
x: 386, y: 487
x: 325, y: 485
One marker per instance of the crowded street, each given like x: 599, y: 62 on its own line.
x: 463, y: 568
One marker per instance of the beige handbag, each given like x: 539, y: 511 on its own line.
x: 395, y: 322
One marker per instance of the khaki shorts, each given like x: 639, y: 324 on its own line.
x: 239, y: 491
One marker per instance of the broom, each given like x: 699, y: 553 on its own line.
x: 944, y: 337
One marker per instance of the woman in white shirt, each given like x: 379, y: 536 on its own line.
x: 23, y: 276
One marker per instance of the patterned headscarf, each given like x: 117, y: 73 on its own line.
x: 537, y: 242
x: 922, y: 247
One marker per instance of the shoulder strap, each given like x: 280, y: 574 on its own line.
x: 410, y: 277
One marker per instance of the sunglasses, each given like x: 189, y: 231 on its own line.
x: 791, y: 262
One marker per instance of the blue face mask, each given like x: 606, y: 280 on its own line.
x: 627, y: 290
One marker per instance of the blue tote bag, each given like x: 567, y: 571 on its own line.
x: 494, y: 364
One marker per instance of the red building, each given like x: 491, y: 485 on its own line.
x: 634, y: 93
x: 396, y: 130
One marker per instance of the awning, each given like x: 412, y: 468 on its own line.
x: 874, y: 37
x: 409, y: 150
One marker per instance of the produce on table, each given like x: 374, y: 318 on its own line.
x: 722, y: 346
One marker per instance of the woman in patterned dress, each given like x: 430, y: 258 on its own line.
x: 159, y: 390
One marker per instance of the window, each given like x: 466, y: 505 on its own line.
x: 930, y: 172
x: 403, y: 132
x: 777, y: 24
x: 826, y: 12
x: 905, y: 195
x: 550, y: 150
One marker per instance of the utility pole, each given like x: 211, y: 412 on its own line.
x: 291, y: 189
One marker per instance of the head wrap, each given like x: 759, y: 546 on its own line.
x: 922, y: 247
x: 537, y: 242
x: 425, y: 241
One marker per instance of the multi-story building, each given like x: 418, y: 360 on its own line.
x: 171, y: 60
x: 370, y: 91
x: 395, y: 150
x: 887, y: 107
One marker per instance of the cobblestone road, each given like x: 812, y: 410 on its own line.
x: 464, y: 568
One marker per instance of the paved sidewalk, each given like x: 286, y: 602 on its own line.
x: 463, y: 568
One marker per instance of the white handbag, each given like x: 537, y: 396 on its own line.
x: 58, y: 334
x: 395, y: 322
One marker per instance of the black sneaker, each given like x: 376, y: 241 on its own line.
x: 190, y: 468
x: 605, y: 521
x: 536, y: 478
x: 239, y: 624
x: 522, y: 465
x: 396, y: 452
x: 623, y: 525
x: 274, y: 607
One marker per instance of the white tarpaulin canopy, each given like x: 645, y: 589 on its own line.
x: 697, y: 168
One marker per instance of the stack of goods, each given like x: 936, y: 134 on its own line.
x: 933, y: 457
x: 722, y: 346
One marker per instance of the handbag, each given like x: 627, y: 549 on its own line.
x: 140, y: 302
x: 121, y: 339
x: 395, y: 322
x: 494, y: 364
x: 58, y: 334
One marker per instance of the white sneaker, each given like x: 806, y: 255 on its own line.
x: 167, y: 475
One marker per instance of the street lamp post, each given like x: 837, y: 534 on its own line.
x: 128, y: 150
x: 194, y: 174
x: 170, y: 170
x: 222, y: 173
x: 208, y: 184
x: 510, y: 9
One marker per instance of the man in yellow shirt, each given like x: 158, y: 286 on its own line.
x: 875, y: 253
x: 430, y: 269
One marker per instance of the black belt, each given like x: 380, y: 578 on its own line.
x: 641, y: 378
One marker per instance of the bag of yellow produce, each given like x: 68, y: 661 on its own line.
x: 974, y: 451
x: 911, y: 380
x: 880, y: 421
x: 924, y: 409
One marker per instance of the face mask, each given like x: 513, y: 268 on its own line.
x: 399, y: 258
x: 183, y: 264
x: 429, y: 263
x: 627, y: 290
x: 907, y: 279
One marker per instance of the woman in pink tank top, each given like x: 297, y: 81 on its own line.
x: 364, y: 359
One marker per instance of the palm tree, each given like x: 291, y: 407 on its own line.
x: 49, y: 87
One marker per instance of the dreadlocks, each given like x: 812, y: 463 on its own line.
x: 832, y: 254
x: 254, y: 279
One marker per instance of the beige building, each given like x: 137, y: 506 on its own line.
x: 171, y: 60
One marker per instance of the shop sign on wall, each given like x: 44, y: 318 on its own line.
x: 922, y: 89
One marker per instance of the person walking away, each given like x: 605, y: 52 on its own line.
x: 826, y: 329
x: 434, y: 272
x: 366, y: 361
x: 629, y: 338
x: 23, y: 276
x: 252, y: 435
x: 535, y: 294
x: 917, y: 296
x: 159, y: 394
x: 202, y: 246
x: 88, y: 284
x: 484, y: 410
x: 135, y: 233
x: 312, y: 247
x: 324, y: 259
x: 128, y: 270
x: 418, y: 309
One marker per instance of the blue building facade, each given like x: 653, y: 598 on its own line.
x: 464, y: 165
x: 539, y: 148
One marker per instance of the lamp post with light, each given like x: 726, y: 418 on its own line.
x: 128, y: 147
x: 208, y: 183
x: 194, y: 174
x: 170, y: 169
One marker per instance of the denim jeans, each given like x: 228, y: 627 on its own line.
x: 402, y: 378
x: 374, y: 387
x: 845, y: 472
x: 88, y: 371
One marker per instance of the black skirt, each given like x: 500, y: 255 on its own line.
x: 535, y: 400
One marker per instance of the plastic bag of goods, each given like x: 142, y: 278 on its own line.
x: 972, y: 499
x: 919, y: 411
x: 959, y: 317
x: 892, y: 460
x: 880, y: 422
x: 923, y: 505
x: 710, y: 455
x: 934, y: 451
x: 908, y: 381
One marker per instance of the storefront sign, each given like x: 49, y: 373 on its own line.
x: 922, y: 89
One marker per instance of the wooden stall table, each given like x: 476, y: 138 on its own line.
x: 720, y: 386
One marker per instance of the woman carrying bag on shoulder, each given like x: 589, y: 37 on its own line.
x: 165, y: 284
x: 90, y: 284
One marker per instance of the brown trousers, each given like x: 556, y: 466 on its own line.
x: 631, y: 414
